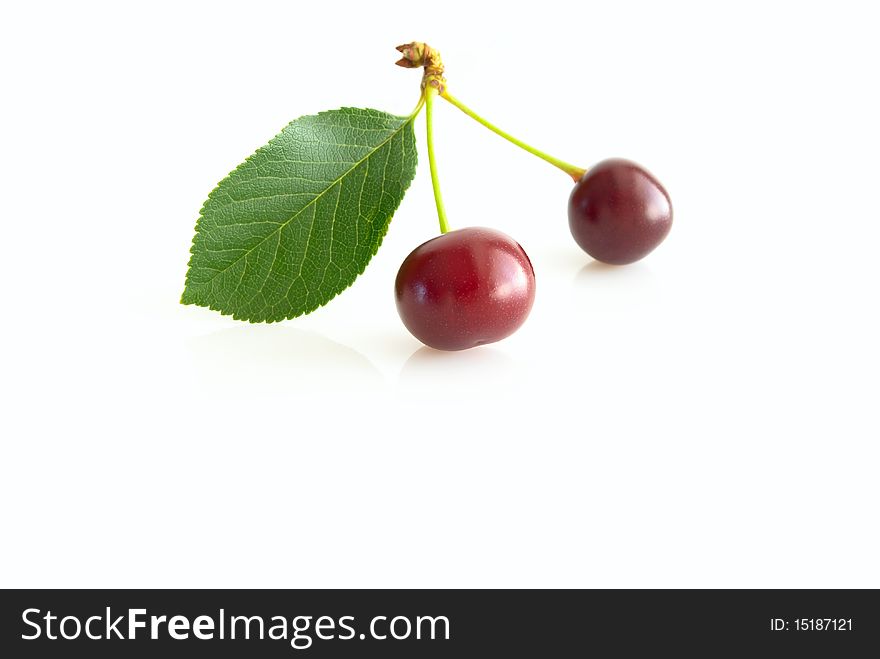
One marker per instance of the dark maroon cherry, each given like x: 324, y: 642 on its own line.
x: 618, y: 212
x: 465, y: 288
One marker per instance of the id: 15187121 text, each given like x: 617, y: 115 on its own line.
x: 811, y: 625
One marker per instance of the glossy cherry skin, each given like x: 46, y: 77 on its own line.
x: 618, y: 212
x: 465, y: 288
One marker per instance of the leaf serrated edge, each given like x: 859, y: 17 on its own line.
x: 196, y: 237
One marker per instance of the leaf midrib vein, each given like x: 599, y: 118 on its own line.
x: 336, y: 182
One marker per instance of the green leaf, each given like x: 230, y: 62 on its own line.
x: 300, y: 219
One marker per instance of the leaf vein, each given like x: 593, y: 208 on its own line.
x: 322, y: 193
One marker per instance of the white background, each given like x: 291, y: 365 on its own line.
x: 706, y: 417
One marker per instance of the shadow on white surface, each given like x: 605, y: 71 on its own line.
x: 596, y: 270
x: 472, y: 368
x: 261, y: 355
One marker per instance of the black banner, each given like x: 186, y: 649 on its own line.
x: 438, y: 623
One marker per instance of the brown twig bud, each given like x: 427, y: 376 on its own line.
x: 413, y: 55
x: 418, y: 54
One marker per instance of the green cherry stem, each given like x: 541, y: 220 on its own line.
x: 418, y: 108
x: 575, y: 172
x: 430, y: 92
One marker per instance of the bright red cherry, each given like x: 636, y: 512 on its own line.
x: 465, y: 288
x: 618, y: 212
